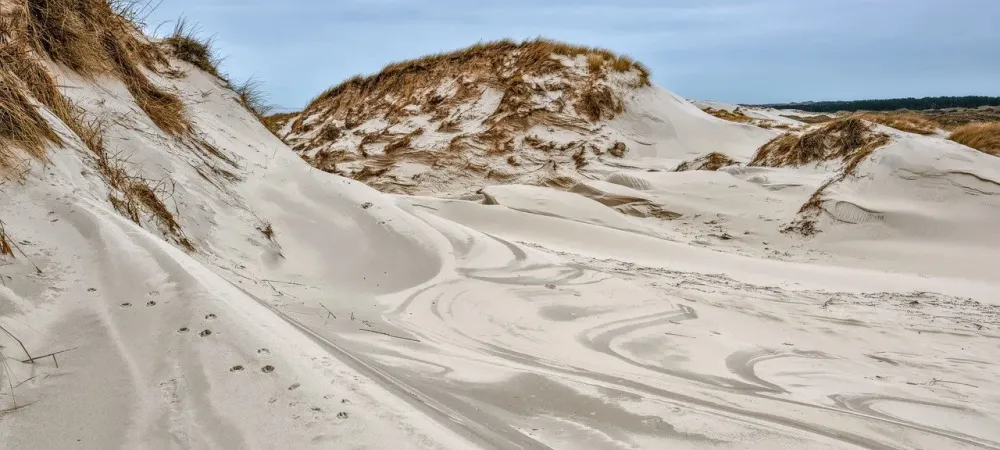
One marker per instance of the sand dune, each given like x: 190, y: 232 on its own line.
x: 622, y: 306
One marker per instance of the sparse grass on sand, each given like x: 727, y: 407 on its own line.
x: 849, y: 139
x: 903, y: 121
x: 186, y: 44
x: 252, y: 96
x: 712, y: 161
x: 984, y: 137
x: 275, y: 122
x: 732, y: 116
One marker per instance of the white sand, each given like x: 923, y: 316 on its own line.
x: 546, y: 320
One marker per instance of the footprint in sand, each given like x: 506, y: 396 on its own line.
x: 205, y: 333
x: 263, y: 351
x: 342, y: 415
x: 210, y: 317
x: 267, y: 369
x: 236, y: 368
x: 150, y: 303
x: 183, y: 330
x: 126, y: 305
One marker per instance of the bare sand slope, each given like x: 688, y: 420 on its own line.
x: 663, y: 125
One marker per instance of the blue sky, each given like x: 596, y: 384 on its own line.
x: 746, y: 51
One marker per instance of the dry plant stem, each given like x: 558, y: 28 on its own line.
x: 30, y: 358
x: 10, y: 376
x: 390, y: 335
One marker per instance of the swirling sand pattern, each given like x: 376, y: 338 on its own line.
x: 651, y: 340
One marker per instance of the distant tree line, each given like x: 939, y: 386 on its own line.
x: 892, y: 104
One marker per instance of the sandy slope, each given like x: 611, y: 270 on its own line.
x: 138, y: 312
x: 543, y: 320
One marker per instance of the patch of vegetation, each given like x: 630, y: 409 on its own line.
x: 732, y: 116
x: 908, y: 122
x: 533, y: 56
x: 186, y: 44
x: 252, y: 96
x: 712, y: 162
x: 92, y: 38
x: 849, y: 139
x: 984, y: 137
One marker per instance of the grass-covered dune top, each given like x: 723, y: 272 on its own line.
x: 518, y: 70
x: 530, y: 57
x: 490, y: 102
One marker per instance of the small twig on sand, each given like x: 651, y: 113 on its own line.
x: 10, y: 375
x: 25, y: 381
x: 287, y: 282
x: 681, y: 335
x: 329, y: 313
x: 390, y: 335
x: 53, y: 355
x: 936, y: 380
x: 19, y: 342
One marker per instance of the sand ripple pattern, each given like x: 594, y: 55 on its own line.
x: 531, y: 350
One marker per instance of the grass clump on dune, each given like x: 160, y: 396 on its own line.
x: 21, y: 125
x: 984, y: 137
x: 92, y: 38
x: 532, y: 56
x: 186, y: 44
x: 908, y: 122
x: 849, y: 139
x: 732, y: 116
x: 711, y: 162
x: 251, y: 94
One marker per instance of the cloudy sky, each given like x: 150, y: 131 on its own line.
x: 746, y: 51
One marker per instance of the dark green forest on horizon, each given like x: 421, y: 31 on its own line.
x: 891, y: 104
